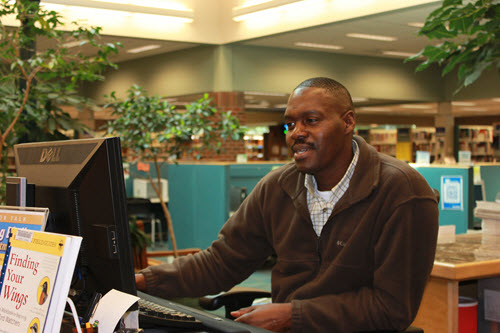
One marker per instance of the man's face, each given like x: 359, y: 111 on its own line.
x: 318, y: 131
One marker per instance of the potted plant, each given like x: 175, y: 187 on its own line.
x: 139, y: 241
x: 35, y: 83
x: 468, y: 31
x: 152, y: 130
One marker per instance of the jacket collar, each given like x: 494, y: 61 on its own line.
x: 364, y: 180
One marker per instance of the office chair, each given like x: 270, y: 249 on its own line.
x: 143, y: 210
x: 240, y: 297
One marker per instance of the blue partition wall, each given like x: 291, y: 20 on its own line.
x: 461, y: 218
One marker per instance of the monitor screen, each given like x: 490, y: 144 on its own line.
x: 81, y: 182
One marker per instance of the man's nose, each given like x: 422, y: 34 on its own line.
x: 299, y: 130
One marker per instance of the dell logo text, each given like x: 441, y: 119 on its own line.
x: 50, y: 155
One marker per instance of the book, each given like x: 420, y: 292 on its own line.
x: 20, y: 217
x: 35, y: 280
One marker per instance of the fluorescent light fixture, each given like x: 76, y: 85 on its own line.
x: 74, y: 43
x: 359, y: 99
x: 247, y: 12
x: 144, y: 48
x: 165, y: 4
x: 463, y: 103
x: 474, y: 109
x: 256, y: 106
x: 373, y: 37
x: 416, y: 24
x: 185, y: 16
x: 399, y: 54
x: 375, y: 109
x: 319, y: 46
x: 416, y: 106
x: 496, y: 100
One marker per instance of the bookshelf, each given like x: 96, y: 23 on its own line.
x: 384, y: 140
x: 478, y: 140
x: 424, y: 139
x: 254, y: 146
x: 496, y: 141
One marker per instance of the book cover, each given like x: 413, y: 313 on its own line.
x: 19, y: 217
x: 35, y: 280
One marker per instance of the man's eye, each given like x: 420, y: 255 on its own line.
x: 311, y: 120
x: 289, y: 126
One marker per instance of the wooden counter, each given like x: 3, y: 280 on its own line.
x: 471, y: 257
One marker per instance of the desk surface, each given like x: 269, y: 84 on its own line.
x: 471, y: 256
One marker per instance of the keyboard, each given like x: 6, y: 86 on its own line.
x: 153, y: 314
x: 209, y: 322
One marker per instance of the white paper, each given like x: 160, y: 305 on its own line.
x: 111, y: 308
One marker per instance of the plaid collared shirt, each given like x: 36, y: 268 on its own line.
x: 321, y: 204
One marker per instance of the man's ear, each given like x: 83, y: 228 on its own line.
x: 349, y: 121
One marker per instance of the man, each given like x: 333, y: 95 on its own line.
x: 354, y: 230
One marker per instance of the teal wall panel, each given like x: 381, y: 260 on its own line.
x: 490, y: 174
x: 462, y: 219
x: 198, y: 203
x: 248, y: 175
x: 199, y: 196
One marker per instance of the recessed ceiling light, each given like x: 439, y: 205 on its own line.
x: 374, y: 37
x: 463, y: 103
x: 416, y: 24
x: 399, y: 54
x: 144, y: 48
x: 319, y: 46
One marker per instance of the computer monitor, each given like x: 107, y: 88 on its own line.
x: 81, y: 182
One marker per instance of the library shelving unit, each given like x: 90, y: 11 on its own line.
x: 423, y: 138
x: 384, y: 140
x: 254, y: 147
x: 496, y: 141
x: 478, y: 140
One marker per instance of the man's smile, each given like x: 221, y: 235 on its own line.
x: 300, y: 150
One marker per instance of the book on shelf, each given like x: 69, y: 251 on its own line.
x: 31, y: 218
x: 35, y: 280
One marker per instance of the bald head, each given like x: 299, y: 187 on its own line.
x: 340, y: 93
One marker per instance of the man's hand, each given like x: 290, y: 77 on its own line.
x: 276, y: 317
x: 140, y: 282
